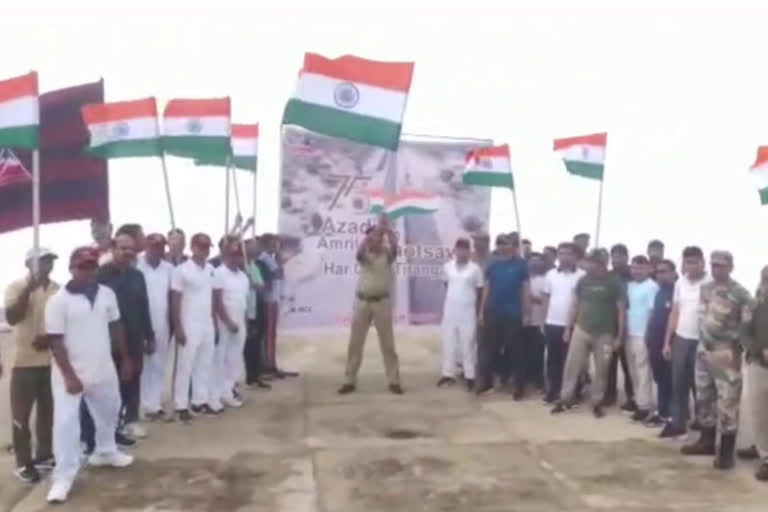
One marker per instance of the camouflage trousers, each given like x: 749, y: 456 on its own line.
x: 718, y: 392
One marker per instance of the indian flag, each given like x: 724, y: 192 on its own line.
x: 759, y: 172
x: 20, y: 112
x: 411, y: 203
x: 583, y: 155
x: 351, y: 98
x: 245, y: 147
x: 123, y: 129
x: 377, y: 201
x: 489, y: 167
x: 197, y: 128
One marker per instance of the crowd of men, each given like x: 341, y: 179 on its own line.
x: 539, y: 318
x: 136, y: 311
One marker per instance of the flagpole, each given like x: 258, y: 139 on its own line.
x: 168, y: 191
x: 599, y: 214
x: 35, y: 209
x: 253, y: 226
x: 236, y: 190
x: 226, y: 200
x: 517, y: 213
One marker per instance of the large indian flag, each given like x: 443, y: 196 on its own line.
x: 197, y: 128
x: 20, y: 112
x: 411, y: 203
x: 583, y: 155
x: 123, y: 129
x: 759, y: 172
x: 489, y: 167
x: 351, y: 98
x: 377, y: 201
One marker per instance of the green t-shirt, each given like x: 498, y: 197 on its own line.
x: 598, y: 297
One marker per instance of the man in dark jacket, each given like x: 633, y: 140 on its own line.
x: 661, y: 367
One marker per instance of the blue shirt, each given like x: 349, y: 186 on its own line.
x: 505, y: 278
x: 657, y: 325
x: 641, y: 296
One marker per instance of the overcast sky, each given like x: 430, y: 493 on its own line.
x: 683, y: 94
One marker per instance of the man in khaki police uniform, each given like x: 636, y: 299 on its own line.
x: 373, y: 305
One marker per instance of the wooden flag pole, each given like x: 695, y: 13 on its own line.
x: 599, y: 214
x: 236, y: 190
x: 253, y: 226
x: 35, y: 210
x: 226, y: 199
x: 168, y: 191
x: 517, y: 213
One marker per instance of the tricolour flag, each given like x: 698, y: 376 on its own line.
x: 351, y: 98
x: 489, y: 167
x: 123, y: 129
x: 377, y: 201
x: 20, y: 112
x: 759, y: 172
x: 583, y: 155
x: 411, y: 203
x: 197, y: 128
x: 245, y: 146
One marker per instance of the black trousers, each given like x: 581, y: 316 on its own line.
x: 534, y: 352
x: 611, y: 387
x: 557, y: 349
x: 501, y: 350
x: 254, y: 351
x: 31, y: 386
x: 662, y: 375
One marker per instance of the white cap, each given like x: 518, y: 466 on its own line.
x: 40, y: 253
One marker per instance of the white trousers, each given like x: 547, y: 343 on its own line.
x: 231, y: 359
x: 194, y: 365
x: 153, y: 372
x: 640, y: 372
x: 103, y: 400
x: 746, y: 433
x: 459, y: 344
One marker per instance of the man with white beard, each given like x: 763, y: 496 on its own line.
x: 157, y: 275
x: 193, y: 328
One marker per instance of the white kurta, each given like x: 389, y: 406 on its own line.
x: 460, y: 317
x: 234, y: 287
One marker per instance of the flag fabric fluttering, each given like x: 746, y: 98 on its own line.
x: 351, y: 98
x: 489, y: 167
x: 377, y: 200
x: 197, y: 128
x: 759, y: 173
x: 20, y: 112
x: 584, y: 155
x: 123, y: 129
x: 245, y: 149
x: 403, y: 204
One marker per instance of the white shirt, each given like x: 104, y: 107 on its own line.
x: 158, y: 281
x: 687, y: 297
x: 461, y: 295
x: 85, y: 329
x: 195, y: 283
x: 539, y: 289
x: 234, y: 286
x: 560, y: 286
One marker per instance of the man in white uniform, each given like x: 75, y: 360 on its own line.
x: 230, y: 300
x: 82, y: 325
x: 193, y: 327
x: 464, y: 280
x: 157, y: 275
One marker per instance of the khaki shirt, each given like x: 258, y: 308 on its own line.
x: 32, y: 325
x: 375, y: 275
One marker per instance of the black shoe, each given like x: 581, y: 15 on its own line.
x: 705, y: 445
x: 670, y: 431
x: 640, y: 415
x: 196, y: 410
x: 396, y: 389
x: 484, y: 390
x: 559, y: 408
x: 597, y: 411
x: 725, y: 459
x: 629, y: 406
x: 750, y: 453
x: 44, y: 463
x: 28, y: 474
x: 695, y: 425
x: 258, y: 383
x: 656, y: 421
x: 284, y: 374
x: 123, y: 440
x: 518, y: 395
x: 446, y: 381
x: 762, y: 472
x: 550, y: 398
x: 207, y: 410
x: 346, y: 389
x: 470, y: 384
x: 184, y: 416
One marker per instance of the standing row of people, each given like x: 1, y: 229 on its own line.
x: 131, y: 312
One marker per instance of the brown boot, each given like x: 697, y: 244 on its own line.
x: 704, y: 446
x: 725, y: 459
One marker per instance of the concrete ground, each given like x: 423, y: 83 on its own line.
x: 301, y: 447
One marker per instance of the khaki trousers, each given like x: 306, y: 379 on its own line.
x: 640, y: 372
x: 758, y: 393
x: 378, y: 312
x: 580, y: 347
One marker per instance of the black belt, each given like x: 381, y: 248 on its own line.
x: 372, y: 298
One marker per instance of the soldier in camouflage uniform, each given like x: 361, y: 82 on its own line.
x: 725, y: 312
x: 756, y: 352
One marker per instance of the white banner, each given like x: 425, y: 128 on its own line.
x: 325, y: 209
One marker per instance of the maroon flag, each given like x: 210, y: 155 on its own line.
x: 72, y: 185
